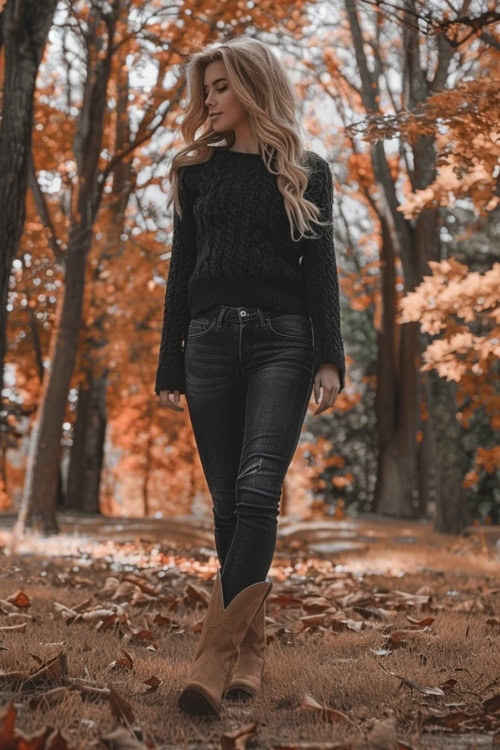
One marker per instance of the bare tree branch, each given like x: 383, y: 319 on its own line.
x: 44, y: 213
x: 437, y: 25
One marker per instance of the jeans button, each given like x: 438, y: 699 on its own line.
x: 243, y: 313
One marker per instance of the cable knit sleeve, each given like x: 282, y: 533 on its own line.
x: 320, y: 274
x: 176, y: 315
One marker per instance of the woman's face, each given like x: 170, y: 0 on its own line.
x: 219, y: 97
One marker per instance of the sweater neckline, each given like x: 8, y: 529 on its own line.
x: 230, y: 151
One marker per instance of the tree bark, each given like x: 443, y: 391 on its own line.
x: 425, y: 467
x: 147, y: 464
x: 391, y: 495
x: 87, y: 451
x: 24, y: 28
x: 452, y: 514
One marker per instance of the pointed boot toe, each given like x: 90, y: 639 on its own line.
x: 196, y: 699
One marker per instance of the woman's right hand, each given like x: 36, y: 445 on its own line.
x: 167, y: 400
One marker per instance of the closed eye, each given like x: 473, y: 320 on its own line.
x: 223, y: 89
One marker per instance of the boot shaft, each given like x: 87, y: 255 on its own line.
x: 236, y: 618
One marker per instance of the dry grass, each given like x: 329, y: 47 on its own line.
x: 337, y: 669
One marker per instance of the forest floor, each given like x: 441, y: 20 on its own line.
x: 381, y: 636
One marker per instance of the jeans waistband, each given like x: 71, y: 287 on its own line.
x: 239, y: 313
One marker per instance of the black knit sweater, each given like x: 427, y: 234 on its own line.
x: 233, y: 246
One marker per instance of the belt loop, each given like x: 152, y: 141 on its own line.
x: 261, y: 317
x: 221, y: 315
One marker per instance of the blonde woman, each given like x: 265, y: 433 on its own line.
x: 251, y: 324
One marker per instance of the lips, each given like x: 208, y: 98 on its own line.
x: 214, y: 114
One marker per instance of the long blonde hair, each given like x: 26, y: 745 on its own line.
x: 261, y: 84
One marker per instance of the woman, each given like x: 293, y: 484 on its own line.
x: 253, y: 295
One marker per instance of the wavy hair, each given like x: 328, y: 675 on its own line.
x: 261, y: 84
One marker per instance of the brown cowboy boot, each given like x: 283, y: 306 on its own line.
x: 247, y: 675
x: 223, y: 630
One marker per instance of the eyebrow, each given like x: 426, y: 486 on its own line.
x: 216, y: 81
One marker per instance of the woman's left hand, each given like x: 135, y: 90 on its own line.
x: 328, y: 379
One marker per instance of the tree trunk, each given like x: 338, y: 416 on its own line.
x: 392, y: 494
x: 87, y: 452
x: 40, y: 494
x: 452, y: 514
x: 425, y: 468
x: 24, y: 26
x: 60, y: 495
x: 147, y: 465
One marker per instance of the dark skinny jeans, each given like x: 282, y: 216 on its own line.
x: 249, y: 378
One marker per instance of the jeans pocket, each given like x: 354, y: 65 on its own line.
x: 200, y: 325
x: 291, y: 326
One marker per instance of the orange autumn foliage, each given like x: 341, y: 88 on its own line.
x: 463, y: 309
x: 447, y: 303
